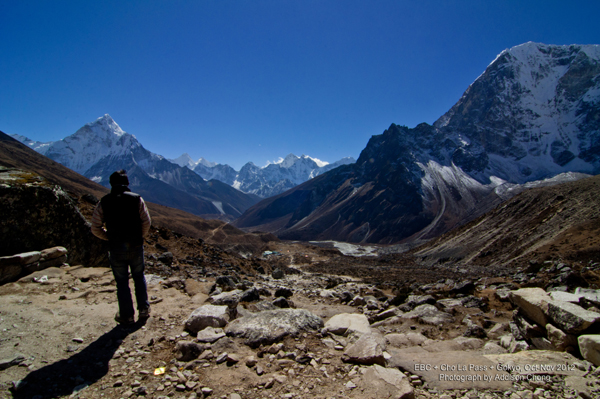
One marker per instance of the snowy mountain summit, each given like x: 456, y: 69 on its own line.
x: 99, y: 148
x: 88, y: 145
x: 533, y: 113
x: 266, y: 181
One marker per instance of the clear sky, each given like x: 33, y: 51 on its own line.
x: 254, y: 80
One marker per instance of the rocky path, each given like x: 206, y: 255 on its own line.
x: 300, y: 335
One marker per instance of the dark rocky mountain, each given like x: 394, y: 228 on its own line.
x: 537, y: 225
x: 533, y: 114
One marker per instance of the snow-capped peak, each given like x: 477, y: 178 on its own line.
x: 289, y: 161
x: 186, y: 160
x: 317, y: 161
x: 106, y: 124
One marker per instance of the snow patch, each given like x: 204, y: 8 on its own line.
x: 219, y: 206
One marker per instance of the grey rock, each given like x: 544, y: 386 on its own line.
x: 560, y: 340
x: 491, y: 348
x: 282, y: 303
x: 272, y: 325
x: 228, y: 298
x: 10, y: 361
x: 210, y: 335
x: 522, y: 362
x: 527, y: 328
x: 387, y: 383
x: 278, y: 274
x: 533, y: 302
x: 368, y: 350
x: 571, y: 318
x: 250, y: 295
x: 497, y: 330
x: 565, y: 297
x: 207, y: 316
x: 53, y: 219
x: 589, y: 345
x: 589, y: 294
x: 428, y: 314
x: 401, y: 340
x: 465, y: 374
x: 348, y: 323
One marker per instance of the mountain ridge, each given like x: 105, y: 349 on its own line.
x: 99, y: 148
x: 415, y: 184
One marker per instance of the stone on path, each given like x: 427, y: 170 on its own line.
x: 381, y: 382
x: 368, y: 349
x: 207, y: 316
x: 272, y: 325
x: 533, y: 302
x: 348, y: 323
x: 539, y: 362
x: 589, y: 345
x: 428, y: 314
x: 210, y: 335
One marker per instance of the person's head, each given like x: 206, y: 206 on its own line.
x: 119, y: 179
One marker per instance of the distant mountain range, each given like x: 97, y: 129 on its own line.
x: 266, y: 181
x: 16, y: 155
x: 101, y: 147
x: 533, y: 114
x: 203, y: 188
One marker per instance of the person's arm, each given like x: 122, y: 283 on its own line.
x: 145, y: 217
x: 97, y: 223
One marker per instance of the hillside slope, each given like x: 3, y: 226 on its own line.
x: 549, y: 223
x: 14, y: 154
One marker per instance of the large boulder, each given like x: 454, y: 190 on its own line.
x: 38, y: 216
x: 533, y: 302
x: 207, y: 316
x: 589, y: 346
x: 348, y: 323
x: 382, y: 382
x: 271, y: 326
x: 571, y: 318
x: 368, y: 350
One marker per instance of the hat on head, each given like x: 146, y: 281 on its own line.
x: 119, y: 178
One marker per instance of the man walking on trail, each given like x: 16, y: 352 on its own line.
x: 127, y: 222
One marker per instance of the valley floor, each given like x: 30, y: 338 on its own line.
x: 63, y: 341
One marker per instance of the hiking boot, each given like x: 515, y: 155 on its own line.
x: 124, y: 320
x: 145, y: 313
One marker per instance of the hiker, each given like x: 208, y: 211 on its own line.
x: 127, y: 222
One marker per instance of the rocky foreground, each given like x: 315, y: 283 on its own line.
x: 290, y: 333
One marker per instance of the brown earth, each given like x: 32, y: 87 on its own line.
x: 549, y: 223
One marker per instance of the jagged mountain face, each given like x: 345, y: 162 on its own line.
x: 533, y: 114
x: 222, y: 173
x: 101, y: 147
x: 266, y: 181
x: 387, y: 196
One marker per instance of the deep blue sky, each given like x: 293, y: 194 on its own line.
x: 238, y: 81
